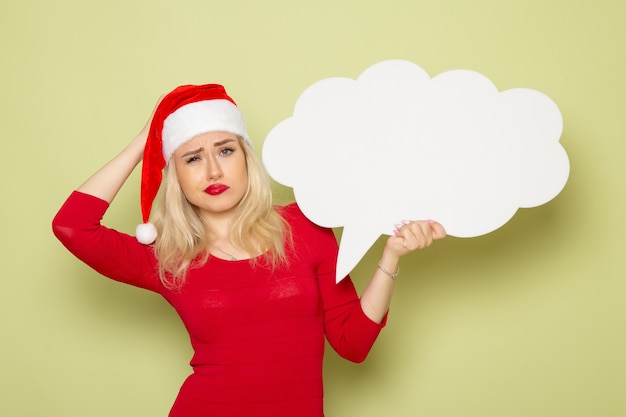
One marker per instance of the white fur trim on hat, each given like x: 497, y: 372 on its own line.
x: 200, y: 117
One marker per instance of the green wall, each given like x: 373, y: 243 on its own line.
x: 529, y: 320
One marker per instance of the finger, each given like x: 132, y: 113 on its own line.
x: 418, y: 235
x: 404, y: 238
x: 438, y: 231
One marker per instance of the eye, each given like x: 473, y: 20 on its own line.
x: 192, y: 158
x: 226, y: 151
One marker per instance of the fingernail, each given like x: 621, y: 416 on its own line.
x: 430, y: 221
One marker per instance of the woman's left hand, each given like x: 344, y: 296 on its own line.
x: 408, y: 236
x: 412, y: 235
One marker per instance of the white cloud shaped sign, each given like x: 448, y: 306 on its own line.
x: 397, y: 144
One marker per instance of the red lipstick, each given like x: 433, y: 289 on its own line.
x: 216, y: 189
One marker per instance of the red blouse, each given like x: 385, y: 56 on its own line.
x: 257, y: 334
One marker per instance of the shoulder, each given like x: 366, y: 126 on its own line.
x: 300, y: 224
x: 294, y: 216
x: 290, y: 212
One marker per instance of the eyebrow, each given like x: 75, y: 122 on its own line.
x: 223, y: 142
x: 200, y: 149
x: 192, y: 152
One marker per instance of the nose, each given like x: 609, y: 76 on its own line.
x: 214, y: 170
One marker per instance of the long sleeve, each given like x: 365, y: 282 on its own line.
x: 113, y: 254
x: 348, y: 330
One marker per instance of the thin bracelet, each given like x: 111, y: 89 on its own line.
x: 393, y: 276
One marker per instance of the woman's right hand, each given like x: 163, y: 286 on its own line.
x: 107, y: 181
x: 143, y: 134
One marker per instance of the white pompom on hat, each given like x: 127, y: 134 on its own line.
x: 186, y: 112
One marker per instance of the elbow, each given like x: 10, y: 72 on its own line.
x: 357, y: 358
x: 63, y: 233
x: 57, y: 230
x: 354, y: 355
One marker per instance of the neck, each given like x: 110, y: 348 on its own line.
x: 218, y: 234
x: 218, y: 227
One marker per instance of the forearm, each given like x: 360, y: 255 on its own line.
x: 408, y: 236
x: 376, y: 297
x: 107, y: 181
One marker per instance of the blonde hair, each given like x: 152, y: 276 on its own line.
x: 182, y: 241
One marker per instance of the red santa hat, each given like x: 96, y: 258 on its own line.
x: 186, y: 112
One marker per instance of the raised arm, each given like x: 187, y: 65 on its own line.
x: 107, y: 181
x: 77, y: 224
x: 408, y: 237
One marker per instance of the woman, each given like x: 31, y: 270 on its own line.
x: 254, y: 284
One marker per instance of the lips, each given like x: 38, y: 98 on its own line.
x: 216, y: 189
